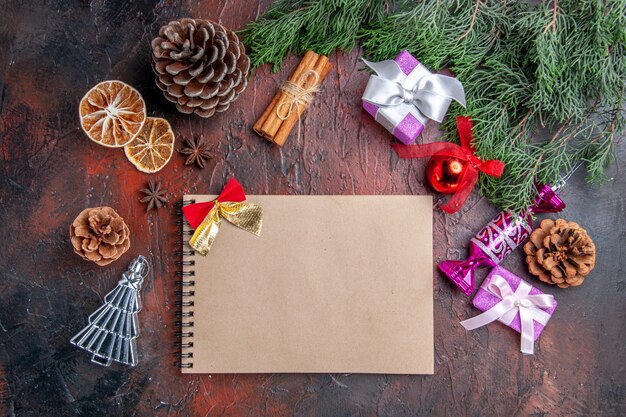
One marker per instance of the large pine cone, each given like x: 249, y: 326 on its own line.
x: 560, y: 253
x: 200, y: 65
x: 100, y: 235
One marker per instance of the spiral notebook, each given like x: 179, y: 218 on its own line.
x: 338, y: 284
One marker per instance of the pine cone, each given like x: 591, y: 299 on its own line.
x: 100, y: 235
x: 200, y: 65
x: 560, y: 253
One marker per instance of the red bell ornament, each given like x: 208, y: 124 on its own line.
x: 444, y: 173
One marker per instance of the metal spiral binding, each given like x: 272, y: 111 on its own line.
x: 184, y: 293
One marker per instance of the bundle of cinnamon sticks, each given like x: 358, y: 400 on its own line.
x: 285, y: 109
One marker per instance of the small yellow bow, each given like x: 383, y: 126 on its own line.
x: 246, y: 216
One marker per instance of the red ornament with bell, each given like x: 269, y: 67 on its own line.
x: 453, y: 169
x: 444, y: 173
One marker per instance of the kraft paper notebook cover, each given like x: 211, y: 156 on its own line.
x: 338, y: 284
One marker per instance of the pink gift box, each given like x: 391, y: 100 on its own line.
x: 484, y: 299
x: 410, y: 127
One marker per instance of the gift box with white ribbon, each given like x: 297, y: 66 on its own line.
x: 506, y: 298
x: 404, y: 94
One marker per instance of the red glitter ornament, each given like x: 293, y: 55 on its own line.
x: 444, y: 173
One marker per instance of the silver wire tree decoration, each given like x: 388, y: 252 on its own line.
x: 113, y: 328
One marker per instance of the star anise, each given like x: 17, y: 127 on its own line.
x: 155, y: 196
x: 197, y: 151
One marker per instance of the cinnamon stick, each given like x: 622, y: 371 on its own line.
x: 272, y: 123
x: 282, y: 114
x: 322, y: 67
x: 258, y: 126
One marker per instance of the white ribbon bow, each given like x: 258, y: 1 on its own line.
x: 529, y: 307
x: 431, y: 94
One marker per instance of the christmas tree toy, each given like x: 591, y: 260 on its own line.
x: 453, y: 168
x: 503, y: 235
x: 499, y: 238
x: 113, y: 328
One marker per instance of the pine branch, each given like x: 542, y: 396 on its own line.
x: 294, y: 26
x: 469, y: 30
x: 525, y: 66
x: 555, y: 11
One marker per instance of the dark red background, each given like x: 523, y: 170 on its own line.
x: 52, y: 52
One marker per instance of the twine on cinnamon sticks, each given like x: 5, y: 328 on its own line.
x: 293, y: 98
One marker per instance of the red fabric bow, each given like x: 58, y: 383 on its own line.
x: 465, y: 152
x: 195, y: 213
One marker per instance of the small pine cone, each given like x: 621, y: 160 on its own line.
x: 201, y: 66
x: 560, y: 252
x: 100, y: 235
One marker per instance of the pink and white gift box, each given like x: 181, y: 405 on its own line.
x: 404, y: 94
x: 505, y: 297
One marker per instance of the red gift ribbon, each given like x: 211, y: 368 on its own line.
x: 465, y: 152
x: 195, y: 213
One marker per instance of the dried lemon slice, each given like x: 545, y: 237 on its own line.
x: 112, y: 113
x: 152, y: 148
